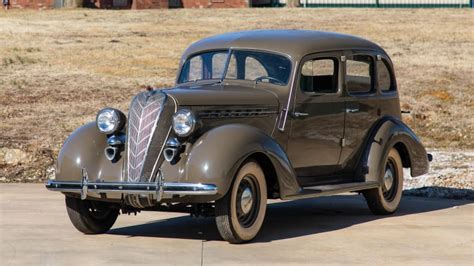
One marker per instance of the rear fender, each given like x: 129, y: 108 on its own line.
x: 391, y: 132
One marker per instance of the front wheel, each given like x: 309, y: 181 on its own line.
x: 240, y: 213
x: 386, y: 198
x: 91, y: 217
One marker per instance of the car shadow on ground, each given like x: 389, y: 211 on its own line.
x: 289, y: 219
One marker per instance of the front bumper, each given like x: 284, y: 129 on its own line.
x: 165, y: 189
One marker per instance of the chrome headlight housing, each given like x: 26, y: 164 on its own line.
x: 184, y: 122
x: 110, y: 120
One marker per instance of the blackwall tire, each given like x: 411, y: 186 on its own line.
x: 386, y: 199
x: 240, y: 213
x: 90, y: 217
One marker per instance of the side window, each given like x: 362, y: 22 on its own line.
x: 251, y: 65
x: 359, y: 74
x: 319, y: 76
x: 383, y: 76
x: 254, y: 69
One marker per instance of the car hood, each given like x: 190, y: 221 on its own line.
x: 222, y: 94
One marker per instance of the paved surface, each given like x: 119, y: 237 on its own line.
x: 35, y: 229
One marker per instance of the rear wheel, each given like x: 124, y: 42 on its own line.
x: 386, y: 198
x: 91, y: 217
x: 240, y: 213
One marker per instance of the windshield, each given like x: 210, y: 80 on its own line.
x: 242, y: 65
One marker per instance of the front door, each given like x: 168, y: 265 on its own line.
x: 317, y: 119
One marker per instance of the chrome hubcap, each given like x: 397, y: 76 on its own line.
x: 246, y: 200
x: 388, y: 179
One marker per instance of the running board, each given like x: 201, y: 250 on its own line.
x: 327, y: 190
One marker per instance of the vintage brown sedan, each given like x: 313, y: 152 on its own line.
x: 254, y: 115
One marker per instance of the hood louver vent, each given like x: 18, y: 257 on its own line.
x: 253, y: 112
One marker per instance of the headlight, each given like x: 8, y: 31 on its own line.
x: 184, y: 122
x: 110, y: 120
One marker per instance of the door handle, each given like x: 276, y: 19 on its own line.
x: 349, y: 110
x: 298, y: 114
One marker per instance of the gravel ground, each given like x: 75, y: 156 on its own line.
x: 451, y: 175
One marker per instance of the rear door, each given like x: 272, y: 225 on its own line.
x: 362, y: 107
x: 317, y: 118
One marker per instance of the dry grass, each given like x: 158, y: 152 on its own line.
x: 58, y: 68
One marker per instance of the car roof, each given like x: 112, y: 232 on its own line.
x: 295, y: 43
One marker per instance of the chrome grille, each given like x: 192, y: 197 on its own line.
x: 143, y: 116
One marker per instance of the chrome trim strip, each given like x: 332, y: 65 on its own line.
x: 182, y: 189
x: 290, y: 96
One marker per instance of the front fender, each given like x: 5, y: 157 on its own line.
x: 391, y: 132
x: 216, y: 156
x: 84, y: 149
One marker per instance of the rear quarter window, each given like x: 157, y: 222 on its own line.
x: 384, y: 77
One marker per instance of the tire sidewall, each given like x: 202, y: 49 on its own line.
x: 391, y: 206
x: 246, y: 234
x: 81, y: 218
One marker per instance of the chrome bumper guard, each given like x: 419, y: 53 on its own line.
x: 181, y: 189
